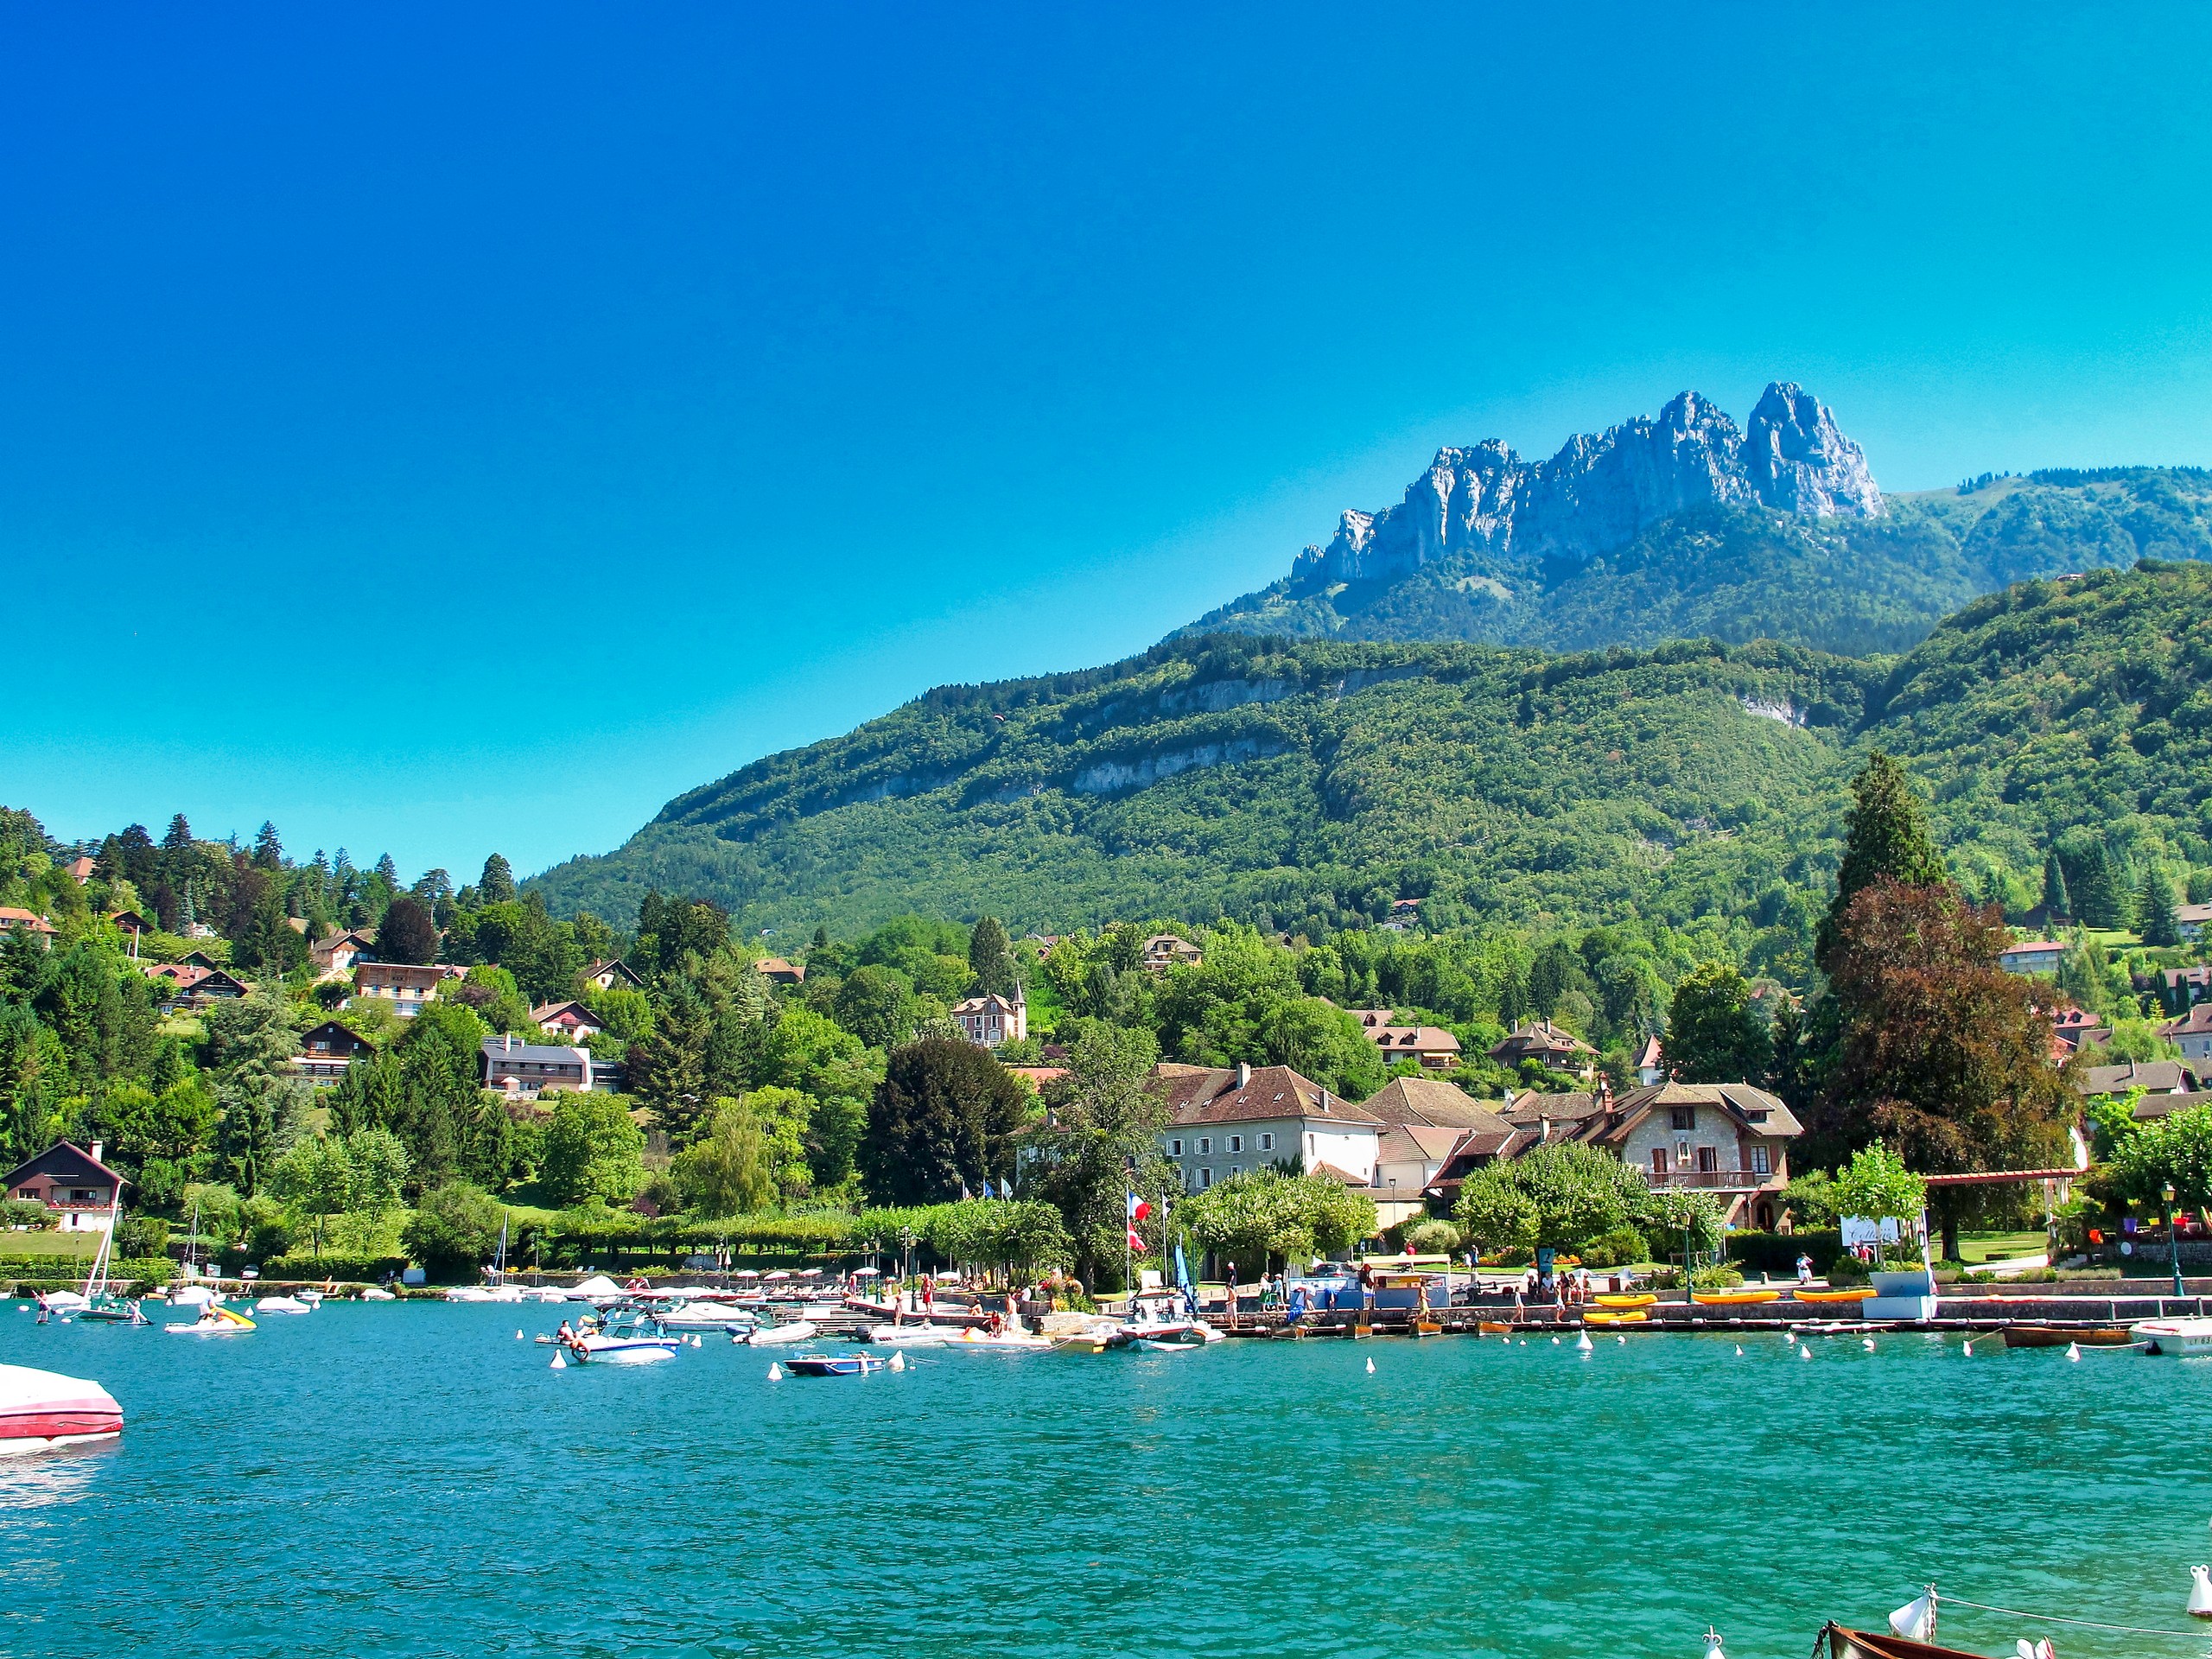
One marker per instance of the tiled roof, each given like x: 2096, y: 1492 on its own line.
x: 1212, y: 1095
x: 1412, y: 1142
x: 1429, y: 1100
x: 2197, y: 1019
x: 2153, y: 1076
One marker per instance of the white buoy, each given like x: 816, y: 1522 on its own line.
x: 517, y: 1335
x: 1966, y: 1349
x: 1916, y: 1620
x: 1620, y: 1339
x: 1803, y: 1352
x: 898, y: 1361
x: 1712, y: 1644
x: 1554, y: 1342
x: 698, y: 1342
x: 1740, y: 1350
x: 1868, y: 1345
x: 1524, y: 1342
x: 2200, y: 1593
x: 775, y: 1372
x: 558, y: 1364
x: 2074, y: 1353
x: 1583, y: 1344
x: 1370, y: 1368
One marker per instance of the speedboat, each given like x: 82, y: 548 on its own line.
x: 213, y: 1322
x: 41, y: 1410
x: 282, y: 1305
x: 194, y: 1296
x: 312, y: 1298
x: 777, y: 1331
x: 378, y: 1294
x: 2186, y: 1338
x: 636, y: 1341
x: 704, y: 1316
x: 841, y: 1364
x: 900, y: 1336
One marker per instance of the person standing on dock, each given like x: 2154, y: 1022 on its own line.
x: 1804, y: 1268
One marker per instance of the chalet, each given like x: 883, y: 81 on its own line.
x: 1728, y: 1139
x: 1165, y: 950
x: 989, y: 1021
x: 2190, y: 920
x: 81, y: 869
x: 1435, y: 1049
x: 2071, y: 1028
x: 327, y: 1051
x: 1546, y: 1043
x: 335, y: 957
x: 569, y: 1020
x: 191, y: 982
x: 1223, y: 1121
x: 72, y: 1184
x: 407, y: 986
x: 2152, y: 1077
x: 14, y: 920
x: 1651, y: 1064
x: 523, y: 1070
x: 613, y: 976
x: 2192, y: 1032
x: 1432, y: 1132
x: 776, y: 971
x: 199, y: 959
x: 1404, y: 917
x: 2031, y: 957
x: 130, y: 925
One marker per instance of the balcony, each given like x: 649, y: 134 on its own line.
x: 1712, y: 1180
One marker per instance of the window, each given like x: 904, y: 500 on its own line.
x: 1267, y: 1143
x: 1174, y: 1148
x: 1708, y: 1159
x: 1236, y: 1143
x: 1236, y: 1169
x: 1684, y: 1117
x: 1759, y: 1165
x: 1205, y: 1143
x: 1206, y: 1177
x: 1658, y: 1161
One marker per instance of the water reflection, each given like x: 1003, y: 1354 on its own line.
x: 38, y: 1480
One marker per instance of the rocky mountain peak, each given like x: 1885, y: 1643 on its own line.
x: 1798, y: 460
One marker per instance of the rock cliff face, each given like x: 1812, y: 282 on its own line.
x: 1598, y: 492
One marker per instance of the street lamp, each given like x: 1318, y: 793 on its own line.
x: 2173, y: 1238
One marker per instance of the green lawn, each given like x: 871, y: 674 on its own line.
x: 81, y: 1246
x: 1979, y: 1248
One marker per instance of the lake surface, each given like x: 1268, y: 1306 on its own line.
x: 405, y: 1479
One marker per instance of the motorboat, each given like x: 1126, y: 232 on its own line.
x: 901, y: 1336
x: 704, y: 1316
x: 378, y: 1294
x: 282, y: 1305
x: 635, y: 1341
x: 2184, y: 1339
x: 839, y: 1365
x: 774, y: 1330
x: 312, y: 1298
x: 213, y: 1322
x: 194, y: 1296
x: 42, y: 1410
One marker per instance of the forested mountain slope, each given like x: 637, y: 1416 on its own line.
x: 1315, y: 782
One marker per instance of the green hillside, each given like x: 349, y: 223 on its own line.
x: 1312, y: 783
x: 1852, y: 586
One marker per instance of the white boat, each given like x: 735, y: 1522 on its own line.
x: 213, y: 1322
x: 544, y: 1293
x: 902, y: 1336
x: 704, y: 1316
x: 624, y: 1342
x: 1013, y: 1336
x: 2187, y: 1338
x: 469, y: 1293
x: 41, y: 1410
x: 312, y: 1298
x: 67, y: 1301
x: 373, y: 1293
x: 194, y: 1296
x: 783, y: 1331
x: 282, y: 1305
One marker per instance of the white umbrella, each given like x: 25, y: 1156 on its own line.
x: 745, y: 1273
x: 777, y: 1274
x: 868, y: 1273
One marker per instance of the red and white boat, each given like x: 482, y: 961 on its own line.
x: 40, y: 1410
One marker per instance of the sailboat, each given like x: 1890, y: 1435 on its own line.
x: 101, y: 1305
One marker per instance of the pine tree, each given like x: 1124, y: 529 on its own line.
x: 1885, y: 835
x: 2058, y: 905
x: 497, y: 885
x: 991, y: 958
x: 2154, y: 911
x: 179, y: 837
x: 267, y: 850
x: 2100, y: 899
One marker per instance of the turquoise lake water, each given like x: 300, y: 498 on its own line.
x: 410, y: 1479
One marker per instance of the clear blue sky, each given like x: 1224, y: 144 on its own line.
x: 444, y: 428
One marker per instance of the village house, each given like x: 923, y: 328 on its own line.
x: 989, y: 1021
x: 336, y: 956
x: 776, y: 971
x: 2152, y: 1077
x: 1549, y: 1047
x: 2072, y: 1027
x: 407, y: 986
x: 2031, y: 957
x: 130, y: 925
x: 2180, y: 988
x: 1433, y: 1132
x: 15, y: 919
x: 523, y: 1070
x: 2189, y: 919
x: 1165, y: 950
x: 199, y: 982
x: 569, y: 1020
x: 1651, y: 1064
x: 75, y: 1186
x: 2191, y: 1034
x: 1432, y: 1047
x: 81, y: 868
x: 327, y: 1051
x: 614, y: 975
x: 1404, y: 917
x: 1728, y: 1139
x: 1225, y: 1120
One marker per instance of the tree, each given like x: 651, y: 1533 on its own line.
x: 2175, y: 1149
x: 1099, y: 1141
x: 1262, y: 1215
x: 497, y: 885
x: 1885, y: 836
x: 315, y: 1178
x: 1941, y: 1054
x: 454, y: 1228
x: 1557, y: 1197
x: 249, y: 1046
x: 178, y: 839
x: 268, y: 849
x: 727, y: 1171
x: 1714, y: 1034
x: 2154, y: 911
x: 407, y: 933
x: 2058, y: 905
x: 436, y: 1112
x: 876, y: 1006
x: 990, y: 957
x: 592, y: 1150
x: 813, y: 1055
x: 1876, y: 1186
x: 943, y: 1119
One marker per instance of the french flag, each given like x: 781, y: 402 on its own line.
x: 1137, y: 1210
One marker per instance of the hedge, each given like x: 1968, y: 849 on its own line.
x: 39, y: 1270
x: 1777, y: 1253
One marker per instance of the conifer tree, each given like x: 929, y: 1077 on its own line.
x: 1885, y: 835
x: 2154, y: 911
x: 497, y: 885
x: 991, y: 958
x: 2058, y: 905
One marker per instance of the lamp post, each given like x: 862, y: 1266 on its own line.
x: 2173, y: 1239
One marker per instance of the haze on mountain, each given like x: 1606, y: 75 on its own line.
x: 1685, y: 526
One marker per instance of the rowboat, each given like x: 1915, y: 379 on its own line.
x: 2059, y: 1336
x: 41, y: 1410
x: 1837, y: 1643
x: 1629, y: 1316
x: 1493, y: 1327
x: 835, y: 1364
x: 1859, y: 1294
x: 1624, y: 1299
x: 1734, y: 1298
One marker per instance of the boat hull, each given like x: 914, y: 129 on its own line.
x: 2045, y: 1336
x: 2178, y: 1338
x: 41, y: 1410
x: 834, y: 1364
x: 625, y: 1351
x: 769, y: 1336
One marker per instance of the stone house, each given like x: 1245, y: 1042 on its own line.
x: 1225, y: 1120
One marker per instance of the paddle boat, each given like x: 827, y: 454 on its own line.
x: 40, y: 1411
x: 282, y: 1305
x: 1858, y: 1294
x: 2183, y: 1338
x: 1734, y: 1298
x: 213, y: 1322
x: 839, y: 1365
x: 774, y: 1330
x: 1013, y: 1336
x: 637, y: 1340
x: 1625, y: 1298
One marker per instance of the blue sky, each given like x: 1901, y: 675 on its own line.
x: 444, y: 429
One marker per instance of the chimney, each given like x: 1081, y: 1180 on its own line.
x: 1544, y: 1131
x: 1243, y: 1075
x: 97, y: 1147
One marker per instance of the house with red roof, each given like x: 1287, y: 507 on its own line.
x: 1225, y: 1120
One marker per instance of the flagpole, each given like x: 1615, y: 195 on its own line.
x: 1128, y: 1254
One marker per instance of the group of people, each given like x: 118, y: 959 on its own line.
x: 1571, y: 1288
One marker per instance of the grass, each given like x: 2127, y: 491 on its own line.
x: 1976, y: 1248
x: 74, y: 1246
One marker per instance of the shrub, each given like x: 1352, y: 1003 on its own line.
x: 143, y: 1235
x: 455, y: 1228
x: 27, y: 1212
x: 1777, y: 1253
x: 1622, y: 1246
x: 1714, y: 1278
x: 1430, y: 1235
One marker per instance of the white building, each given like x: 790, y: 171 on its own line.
x: 1227, y: 1120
